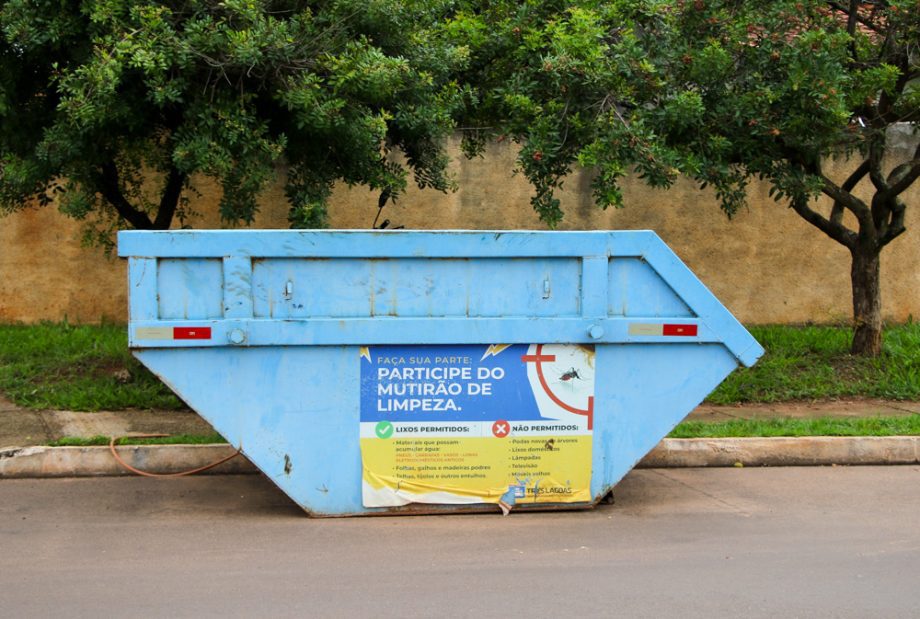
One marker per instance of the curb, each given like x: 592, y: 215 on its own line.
x: 784, y: 451
x: 32, y: 462
x: 40, y: 462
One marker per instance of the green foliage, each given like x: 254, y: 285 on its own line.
x: 906, y: 425
x: 718, y: 90
x: 721, y: 91
x: 85, y: 367
x: 814, y: 363
x: 109, y: 95
x: 555, y: 78
x: 176, y: 439
x: 76, y: 367
x: 103, y: 94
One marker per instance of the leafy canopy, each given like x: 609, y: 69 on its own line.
x: 718, y: 90
x: 100, y: 96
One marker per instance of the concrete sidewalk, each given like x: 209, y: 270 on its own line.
x: 21, y: 427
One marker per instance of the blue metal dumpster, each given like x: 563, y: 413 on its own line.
x: 407, y: 372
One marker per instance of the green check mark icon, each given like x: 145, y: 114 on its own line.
x: 384, y: 429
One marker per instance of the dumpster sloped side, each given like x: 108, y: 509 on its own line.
x: 647, y: 391
x: 295, y: 416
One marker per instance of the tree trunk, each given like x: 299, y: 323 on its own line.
x: 867, y: 302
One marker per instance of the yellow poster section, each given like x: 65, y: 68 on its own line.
x: 543, y: 469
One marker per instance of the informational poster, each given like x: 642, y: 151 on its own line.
x: 503, y: 424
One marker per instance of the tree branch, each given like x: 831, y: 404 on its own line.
x: 853, y: 204
x: 837, y: 213
x: 111, y: 190
x: 905, y: 174
x: 836, y: 231
x: 169, y: 201
x: 849, y: 13
x: 896, y: 227
x: 890, y: 205
x: 852, y: 17
x: 848, y: 185
x: 876, y: 152
x: 846, y: 199
x: 886, y: 102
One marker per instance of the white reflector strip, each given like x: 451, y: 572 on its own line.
x: 153, y: 333
x: 638, y: 328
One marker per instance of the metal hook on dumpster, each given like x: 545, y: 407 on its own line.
x: 127, y: 466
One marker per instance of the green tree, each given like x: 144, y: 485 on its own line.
x: 721, y: 91
x: 97, y: 95
x: 115, y: 108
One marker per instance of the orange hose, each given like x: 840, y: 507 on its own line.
x: 179, y: 474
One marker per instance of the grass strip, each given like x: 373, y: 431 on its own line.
x: 908, y: 425
x: 77, y: 367
x: 89, y: 368
x: 178, y: 439
x: 813, y: 363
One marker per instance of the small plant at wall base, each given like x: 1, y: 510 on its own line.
x: 721, y: 91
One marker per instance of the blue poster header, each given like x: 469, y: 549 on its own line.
x: 446, y: 383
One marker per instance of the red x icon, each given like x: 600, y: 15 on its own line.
x: 501, y: 428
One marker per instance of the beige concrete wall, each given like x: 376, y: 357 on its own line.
x: 767, y: 265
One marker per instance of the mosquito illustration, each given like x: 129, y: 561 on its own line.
x: 569, y: 375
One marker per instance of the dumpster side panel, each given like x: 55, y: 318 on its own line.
x: 635, y: 289
x: 647, y: 390
x: 703, y: 303
x: 413, y: 287
x: 381, y: 243
x: 190, y: 289
x: 295, y: 415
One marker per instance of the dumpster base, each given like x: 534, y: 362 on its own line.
x: 426, y: 509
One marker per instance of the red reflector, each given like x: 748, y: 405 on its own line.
x: 688, y: 330
x: 191, y: 333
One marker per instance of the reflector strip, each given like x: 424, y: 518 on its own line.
x: 172, y: 333
x: 153, y: 333
x: 686, y: 330
x: 192, y: 333
x: 638, y: 328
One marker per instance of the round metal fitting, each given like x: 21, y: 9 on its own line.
x: 236, y: 336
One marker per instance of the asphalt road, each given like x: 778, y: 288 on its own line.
x: 790, y: 542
